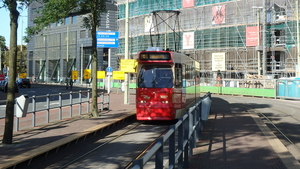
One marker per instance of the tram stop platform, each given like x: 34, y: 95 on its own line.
x: 236, y: 142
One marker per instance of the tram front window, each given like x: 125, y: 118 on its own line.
x: 155, y: 76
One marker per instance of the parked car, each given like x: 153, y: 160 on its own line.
x: 3, y: 86
x: 23, y: 82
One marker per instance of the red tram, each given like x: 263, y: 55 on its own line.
x: 166, y: 85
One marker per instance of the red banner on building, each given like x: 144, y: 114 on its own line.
x: 187, y: 3
x: 253, y: 35
x: 218, y: 14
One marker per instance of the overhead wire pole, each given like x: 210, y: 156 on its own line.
x: 264, y: 59
x: 126, y: 80
x: 298, y: 41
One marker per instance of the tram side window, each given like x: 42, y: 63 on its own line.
x: 178, y: 75
x: 189, y: 77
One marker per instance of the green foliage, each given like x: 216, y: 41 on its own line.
x: 2, y: 43
x: 2, y: 52
x: 55, y: 10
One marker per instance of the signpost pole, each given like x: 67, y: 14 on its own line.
x: 108, y: 39
x: 108, y: 76
x: 126, y: 81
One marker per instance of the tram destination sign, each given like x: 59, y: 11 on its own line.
x: 107, y: 39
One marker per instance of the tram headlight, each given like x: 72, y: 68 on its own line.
x: 163, y: 96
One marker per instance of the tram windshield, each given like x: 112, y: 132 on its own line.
x: 155, y: 76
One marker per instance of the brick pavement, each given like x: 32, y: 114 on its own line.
x: 40, y: 138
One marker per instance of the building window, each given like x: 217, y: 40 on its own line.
x: 67, y: 21
x: 33, y: 10
x: 74, y: 19
x: 82, y: 34
x: 52, y: 25
x: 40, y: 9
x: 59, y: 23
x: 90, y: 33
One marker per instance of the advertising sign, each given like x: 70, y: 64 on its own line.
x: 187, y: 3
x: 100, y: 74
x: 118, y: 75
x: 218, y: 61
x: 252, y: 35
x: 128, y: 65
x: 218, y: 14
x: 148, y: 24
x: 188, y: 40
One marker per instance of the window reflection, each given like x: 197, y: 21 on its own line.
x: 155, y: 76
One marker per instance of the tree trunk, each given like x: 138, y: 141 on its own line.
x: 94, y: 62
x: 9, y: 113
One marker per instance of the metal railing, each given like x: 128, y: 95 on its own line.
x: 187, y: 130
x: 239, y: 83
x: 53, y: 107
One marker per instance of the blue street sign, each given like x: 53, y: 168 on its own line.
x: 109, y: 69
x: 107, y: 39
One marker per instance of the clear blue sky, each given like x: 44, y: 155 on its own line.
x: 5, y: 27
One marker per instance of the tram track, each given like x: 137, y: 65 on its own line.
x: 144, y: 151
x: 106, y: 145
x: 287, y: 138
x: 273, y: 118
x: 101, y: 145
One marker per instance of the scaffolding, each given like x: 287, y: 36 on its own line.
x: 220, y: 26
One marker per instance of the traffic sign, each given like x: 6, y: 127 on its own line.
x: 109, y: 69
x: 86, y: 73
x: 107, y: 39
x: 74, y: 75
x: 22, y: 75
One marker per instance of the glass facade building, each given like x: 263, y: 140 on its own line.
x: 65, y: 46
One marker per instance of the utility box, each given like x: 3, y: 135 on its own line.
x: 205, y: 108
x: 21, y: 106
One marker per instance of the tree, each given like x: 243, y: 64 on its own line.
x: 55, y: 10
x: 2, y: 52
x: 13, y: 6
x: 21, y: 59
